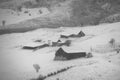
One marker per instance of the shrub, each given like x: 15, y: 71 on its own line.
x: 118, y: 51
x: 48, y: 75
x: 19, y: 8
x: 89, y: 55
x: 57, y: 79
x: 26, y: 11
x: 68, y: 42
x: 55, y: 73
x: 41, y: 77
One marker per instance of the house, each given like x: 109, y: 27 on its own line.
x: 80, y: 34
x: 35, y: 47
x: 66, y: 43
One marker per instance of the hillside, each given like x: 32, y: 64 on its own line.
x: 63, y: 13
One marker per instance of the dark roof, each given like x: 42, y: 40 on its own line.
x: 59, y: 41
x: 60, y: 51
x: 81, y: 33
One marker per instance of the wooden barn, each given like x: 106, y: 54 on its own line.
x: 62, y: 55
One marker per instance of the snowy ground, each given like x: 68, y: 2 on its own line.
x: 17, y: 64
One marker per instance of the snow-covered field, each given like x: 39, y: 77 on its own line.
x: 17, y: 64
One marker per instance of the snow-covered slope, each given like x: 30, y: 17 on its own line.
x: 17, y: 64
x: 14, y: 17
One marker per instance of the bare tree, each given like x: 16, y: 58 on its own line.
x: 112, y: 41
x: 36, y: 67
x: 3, y: 22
